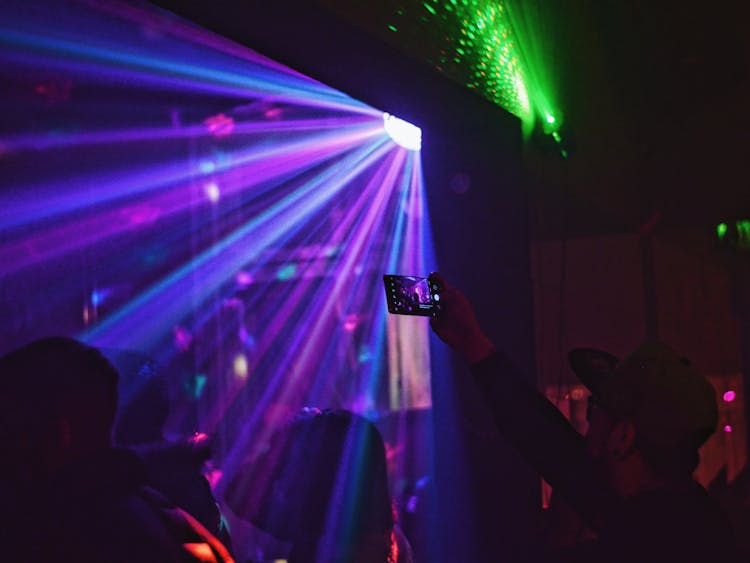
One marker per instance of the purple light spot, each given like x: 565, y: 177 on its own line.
x: 220, y: 125
x: 244, y: 278
x: 351, y: 322
x: 273, y: 113
x: 729, y: 396
x: 182, y: 338
x: 140, y: 214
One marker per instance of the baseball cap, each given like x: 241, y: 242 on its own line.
x: 669, y: 402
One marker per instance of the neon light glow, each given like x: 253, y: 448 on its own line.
x: 743, y: 233
x: 482, y: 41
x: 735, y: 234
x: 227, y: 216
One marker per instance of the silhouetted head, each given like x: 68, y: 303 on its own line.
x: 58, y: 399
x: 324, y: 479
x: 653, y: 403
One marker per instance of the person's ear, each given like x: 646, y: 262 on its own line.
x: 621, y: 439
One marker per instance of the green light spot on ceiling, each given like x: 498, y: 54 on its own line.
x: 721, y: 230
x: 501, y: 49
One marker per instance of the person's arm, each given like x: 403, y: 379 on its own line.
x: 523, y: 415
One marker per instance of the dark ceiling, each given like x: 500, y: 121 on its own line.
x: 655, y: 97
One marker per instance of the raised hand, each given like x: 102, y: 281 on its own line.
x: 457, y: 325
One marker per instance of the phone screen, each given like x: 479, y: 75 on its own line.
x: 411, y: 295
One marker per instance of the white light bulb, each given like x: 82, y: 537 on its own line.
x: 402, y: 132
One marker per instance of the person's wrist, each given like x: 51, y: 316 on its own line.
x: 478, y: 348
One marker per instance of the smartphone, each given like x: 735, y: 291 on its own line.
x: 411, y: 295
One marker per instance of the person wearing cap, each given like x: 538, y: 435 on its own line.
x: 630, y: 478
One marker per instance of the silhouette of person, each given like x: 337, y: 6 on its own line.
x: 323, y: 487
x: 175, y: 467
x: 630, y: 478
x: 68, y: 495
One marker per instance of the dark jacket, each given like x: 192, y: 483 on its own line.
x: 176, y: 470
x: 676, y: 523
x: 100, y: 509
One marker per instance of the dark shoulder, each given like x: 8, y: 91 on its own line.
x: 674, y: 524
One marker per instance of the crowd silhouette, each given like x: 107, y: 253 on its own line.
x: 89, y: 476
